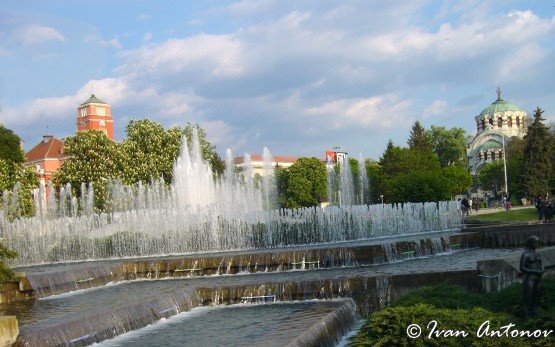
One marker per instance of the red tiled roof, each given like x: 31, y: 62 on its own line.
x: 51, y: 148
x: 275, y: 158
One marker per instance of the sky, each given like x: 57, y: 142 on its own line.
x: 298, y: 77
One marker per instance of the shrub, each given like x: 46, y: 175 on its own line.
x: 6, y: 273
x: 388, y: 327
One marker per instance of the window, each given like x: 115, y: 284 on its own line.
x: 499, y: 122
x: 492, y: 155
x: 517, y: 121
x: 491, y: 121
x: 485, y: 155
x: 100, y: 111
x: 83, y: 112
x: 479, y: 156
x: 483, y: 124
x: 510, y: 122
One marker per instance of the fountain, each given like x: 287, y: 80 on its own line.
x: 199, y: 213
x: 198, y: 232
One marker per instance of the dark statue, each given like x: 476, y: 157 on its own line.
x: 531, y: 266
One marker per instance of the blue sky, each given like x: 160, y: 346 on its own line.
x: 295, y: 76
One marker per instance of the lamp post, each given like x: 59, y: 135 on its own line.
x: 505, y: 167
x: 381, y: 197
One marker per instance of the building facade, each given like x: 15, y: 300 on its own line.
x: 95, y: 114
x: 495, y: 125
x: 243, y: 163
x: 46, y: 158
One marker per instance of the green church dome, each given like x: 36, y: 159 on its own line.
x: 500, y: 105
x: 490, y: 144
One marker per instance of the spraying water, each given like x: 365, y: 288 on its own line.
x: 201, y: 213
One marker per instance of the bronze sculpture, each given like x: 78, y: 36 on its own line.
x: 531, y: 266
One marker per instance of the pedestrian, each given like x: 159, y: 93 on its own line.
x: 465, y: 207
x: 540, y: 207
x: 476, y: 203
x: 469, y: 205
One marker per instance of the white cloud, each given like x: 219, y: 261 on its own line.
x: 36, y: 34
x: 111, y: 43
x: 384, y: 111
x: 218, y: 55
x: 438, y: 107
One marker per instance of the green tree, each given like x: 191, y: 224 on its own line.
x: 10, y: 146
x: 91, y: 158
x: 416, y: 175
x: 419, y: 186
x: 449, y: 145
x: 303, y: 184
x: 16, y: 180
x: 375, y: 181
x: 492, y: 177
x: 419, y: 139
x: 149, y: 150
x: 538, y: 152
x: 458, y: 179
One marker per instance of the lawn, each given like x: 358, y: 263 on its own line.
x: 519, y: 215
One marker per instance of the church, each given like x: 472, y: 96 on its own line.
x: 495, y: 125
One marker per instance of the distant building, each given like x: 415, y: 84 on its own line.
x: 95, y: 114
x: 241, y: 164
x: 334, y: 157
x: 46, y: 157
x: 496, y: 123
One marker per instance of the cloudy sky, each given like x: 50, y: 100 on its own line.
x: 295, y: 76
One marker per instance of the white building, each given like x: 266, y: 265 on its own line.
x: 243, y: 163
x: 499, y: 121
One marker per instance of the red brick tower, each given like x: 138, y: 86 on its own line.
x: 95, y: 114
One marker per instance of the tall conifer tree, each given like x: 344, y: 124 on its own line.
x: 536, y: 170
x: 418, y: 138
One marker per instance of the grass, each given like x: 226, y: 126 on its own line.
x: 520, y: 215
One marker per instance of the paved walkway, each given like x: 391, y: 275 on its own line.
x: 497, y: 209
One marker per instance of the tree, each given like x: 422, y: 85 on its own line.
x: 375, y: 180
x: 419, y: 138
x: 17, y: 181
x: 416, y: 175
x: 10, y: 146
x: 449, y: 145
x: 149, y: 151
x: 303, y: 184
x: 419, y: 186
x: 94, y: 158
x: 538, y: 152
x: 491, y: 177
x: 458, y: 179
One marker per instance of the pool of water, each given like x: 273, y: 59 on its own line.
x: 276, y: 324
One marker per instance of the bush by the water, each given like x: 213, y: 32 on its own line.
x: 456, y: 309
x: 6, y: 273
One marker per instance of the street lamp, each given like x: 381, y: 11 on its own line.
x: 381, y: 197
x: 505, y: 167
